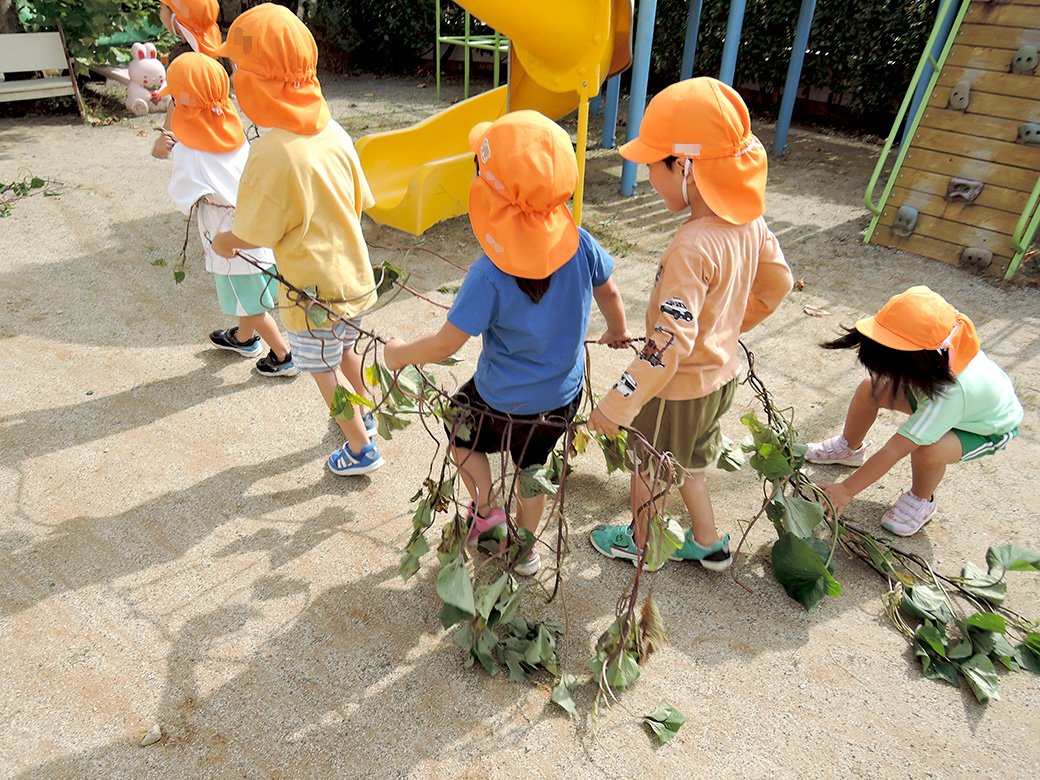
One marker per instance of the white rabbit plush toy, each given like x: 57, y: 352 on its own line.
x: 147, y: 77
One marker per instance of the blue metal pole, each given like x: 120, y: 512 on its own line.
x: 926, y: 75
x: 794, y: 75
x: 729, y: 49
x: 596, y: 104
x: 689, y: 52
x: 610, y: 109
x: 640, y: 74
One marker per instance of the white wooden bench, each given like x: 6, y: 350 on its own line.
x: 36, y: 52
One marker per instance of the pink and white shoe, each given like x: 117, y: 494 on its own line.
x: 908, y: 515
x: 836, y: 450
x: 481, y: 525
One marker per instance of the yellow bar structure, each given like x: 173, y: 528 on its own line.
x: 560, y: 55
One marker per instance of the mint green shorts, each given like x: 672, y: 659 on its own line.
x: 244, y: 295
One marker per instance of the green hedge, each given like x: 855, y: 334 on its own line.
x: 381, y: 36
x: 864, y: 52
x: 87, y: 21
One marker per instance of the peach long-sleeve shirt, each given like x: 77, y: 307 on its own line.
x: 715, y: 281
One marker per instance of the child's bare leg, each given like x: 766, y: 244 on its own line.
x: 529, y: 511
x: 265, y: 325
x: 694, y: 492
x: 928, y: 464
x: 475, y: 471
x: 350, y: 367
x: 864, y: 407
x: 642, y: 508
x: 354, y: 428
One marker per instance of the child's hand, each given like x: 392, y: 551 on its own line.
x: 391, y: 355
x: 163, y: 144
x: 616, y: 339
x: 223, y: 245
x: 839, y: 496
x: 599, y: 423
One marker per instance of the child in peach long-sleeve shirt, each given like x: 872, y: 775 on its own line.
x: 723, y: 273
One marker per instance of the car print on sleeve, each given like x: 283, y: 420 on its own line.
x: 654, y: 354
x: 676, y: 309
x: 626, y: 385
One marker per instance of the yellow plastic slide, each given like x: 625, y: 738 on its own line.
x: 561, y: 52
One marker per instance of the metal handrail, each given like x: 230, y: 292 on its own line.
x: 1025, y: 229
x: 926, y: 59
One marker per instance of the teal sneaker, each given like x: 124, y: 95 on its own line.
x: 615, y: 541
x: 716, y: 558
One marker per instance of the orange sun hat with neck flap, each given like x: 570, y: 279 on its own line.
x: 203, y: 116
x: 198, y: 19
x: 706, y: 124
x: 920, y: 319
x: 276, y: 82
x: 518, y: 201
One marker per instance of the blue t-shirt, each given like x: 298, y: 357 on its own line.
x: 532, y: 360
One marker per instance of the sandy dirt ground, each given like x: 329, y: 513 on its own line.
x: 173, y: 551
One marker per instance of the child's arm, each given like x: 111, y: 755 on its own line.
x: 608, y: 299
x: 876, y: 466
x: 431, y: 348
x: 773, y: 280
x: 227, y: 244
x: 163, y: 144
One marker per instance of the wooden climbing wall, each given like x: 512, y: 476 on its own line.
x: 979, y: 143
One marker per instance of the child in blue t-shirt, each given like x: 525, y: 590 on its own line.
x: 529, y: 298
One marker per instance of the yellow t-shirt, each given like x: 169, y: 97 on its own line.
x: 302, y: 195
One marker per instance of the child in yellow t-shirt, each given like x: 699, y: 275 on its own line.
x: 723, y: 273
x: 302, y: 193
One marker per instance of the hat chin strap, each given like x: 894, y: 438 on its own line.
x: 685, y: 172
x: 948, y: 341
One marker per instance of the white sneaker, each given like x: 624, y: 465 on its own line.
x: 909, y: 514
x: 529, y: 566
x: 836, y: 450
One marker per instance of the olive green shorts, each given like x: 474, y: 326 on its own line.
x: 688, y: 429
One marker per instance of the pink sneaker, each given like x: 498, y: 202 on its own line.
x: 836, y: 450
x: 481, y: 525
x: 908, y: 515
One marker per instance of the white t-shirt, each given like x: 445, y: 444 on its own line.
x: 213, y: 176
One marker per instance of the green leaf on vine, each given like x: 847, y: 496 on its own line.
x: 665, y: 721
x: 730, y: 456
x: 800, y: 516
x: 1028, y: 653
x: 535, y: 481
x: 663, y: 537
x: 159, y: 261
x: 613, y: 450
x: 343, y: 403
x: 390, y: 274
x: 801, y: 571
x: 926, y: 602
x: 178, y: 276
x: 488, y: 595
x: 563, y: 693
x: 986, y: 585
x: 1011, y: 557
x: 988, y: 621
x: 930, y: 645
x: 456, y: 590
x: 982, y: 678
